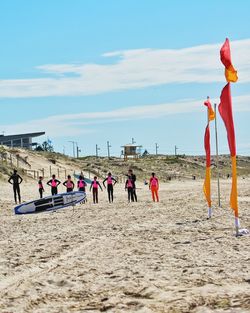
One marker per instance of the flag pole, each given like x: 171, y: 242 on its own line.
x: 217, y: 155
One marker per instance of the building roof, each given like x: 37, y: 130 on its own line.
x: 131, y: 145
x: 19, y: 136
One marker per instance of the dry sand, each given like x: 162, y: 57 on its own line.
x: 120, y: 257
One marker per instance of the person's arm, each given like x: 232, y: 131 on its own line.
x: 73, y: 184
x: 100, y: 186
x: 49, y: 182
x: 91, y: 186
x: 104, y: 182
x: 126, y: 184
x: 114, y: 180
x: 9, y: 180
x: 58, y: 182
x: 64, y: 183
x: 149, y: 185
x: 20, y: 179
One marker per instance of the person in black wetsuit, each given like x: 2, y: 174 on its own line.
x: 133, y: 176
x: 110, y: 184
x: 94, y: 186
x: 53, y: 183
x: 15, y: 180
x: 40, y: 186
x: 129, y: 186
x: 69, y: 184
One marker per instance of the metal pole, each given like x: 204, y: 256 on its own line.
x: 156, y: 148
x: 73, y: 148
x: 175, y: 150
x: 96, y: 150
x: 217, y: 155
x: 73, y: 143
x: 77, y: 151
x: 108, y: 146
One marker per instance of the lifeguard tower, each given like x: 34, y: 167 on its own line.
x: 131, y: 150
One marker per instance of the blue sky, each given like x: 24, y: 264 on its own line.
x: 92, y: 71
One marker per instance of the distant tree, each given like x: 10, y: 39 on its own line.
x: 39, y: 148
x: 145, y: 153
x: 47, y: 146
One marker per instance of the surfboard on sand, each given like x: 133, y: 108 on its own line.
x: 51, y: 203
x: 87, y: 180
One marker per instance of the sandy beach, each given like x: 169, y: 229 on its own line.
x: 120, y: 257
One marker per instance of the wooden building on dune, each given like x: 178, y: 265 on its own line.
x: 131, y: 151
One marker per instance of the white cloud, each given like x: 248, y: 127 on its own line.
x: 76, y: 124
x: 133, y: 69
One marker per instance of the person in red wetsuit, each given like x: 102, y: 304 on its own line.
x: 154, y: 187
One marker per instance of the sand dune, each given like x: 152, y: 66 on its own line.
x: 120, y: 257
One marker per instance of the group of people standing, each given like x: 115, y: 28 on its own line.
x: 108, y: 183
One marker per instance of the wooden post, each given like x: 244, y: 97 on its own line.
x: 58, y: 172
x: 50, y: 172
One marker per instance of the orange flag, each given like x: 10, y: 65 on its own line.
x: 225, y: 56
x: 211, y: 114
x: 207, y: 181
x: 226, y: 113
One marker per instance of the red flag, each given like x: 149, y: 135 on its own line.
x: 207, y: 146
x: 225, y: 109
x: 207, y: 181
x: 225, y: 56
